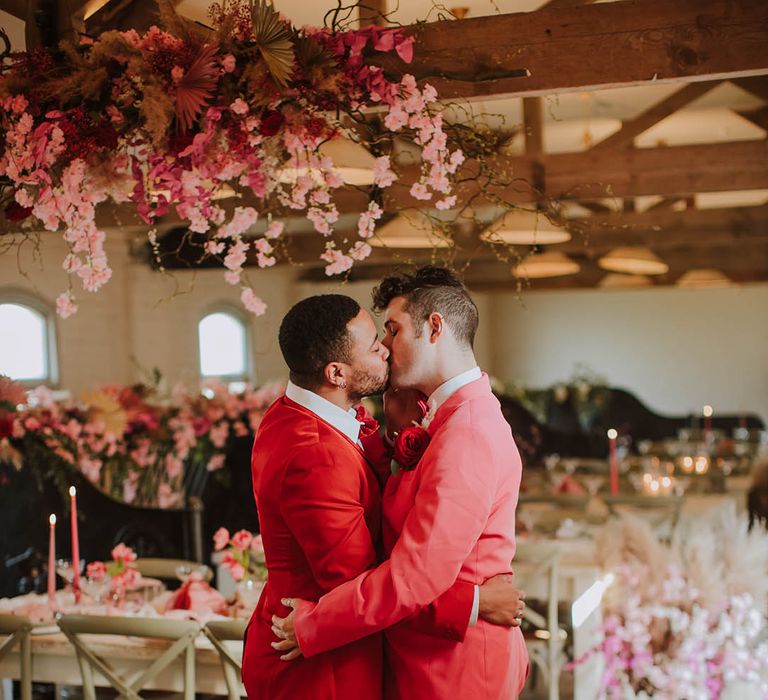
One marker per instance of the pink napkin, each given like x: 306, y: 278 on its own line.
x: 198, y: 597
x: 569, y: 487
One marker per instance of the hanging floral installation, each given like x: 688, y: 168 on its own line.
x: 181, y: 116
x: 131, y: 442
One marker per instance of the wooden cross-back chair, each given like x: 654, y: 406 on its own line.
x: 546, y: 649
x: 180, y: 633
x: 17, y: 629
x: 220, y: 631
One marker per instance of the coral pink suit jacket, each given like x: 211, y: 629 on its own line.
x: 452, y: 517
x: 319, y: 501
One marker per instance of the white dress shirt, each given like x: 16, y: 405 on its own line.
x: 436, y: 399
x: 344, y: 421
x: 440, y: 395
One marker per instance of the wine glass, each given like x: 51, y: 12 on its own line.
x: 65, y: 569
x: 185, y: 571
x: 592, y: 483
x: 97, y: 588
x: 529, y: 517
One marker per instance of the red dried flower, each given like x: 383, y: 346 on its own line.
x: 15, y: 212
x: 271, y: 122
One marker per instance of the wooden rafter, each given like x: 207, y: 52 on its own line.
x: 634, y: 127
x: 668, y: 171
x: 674, y: 172
x: 590, y: 47
x: 744, y: 264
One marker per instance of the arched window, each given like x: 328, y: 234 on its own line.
x: 224, y: 347
x: 28, y: 352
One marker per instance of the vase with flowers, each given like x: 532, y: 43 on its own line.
x: 243, y: 558
x: 120, y: 574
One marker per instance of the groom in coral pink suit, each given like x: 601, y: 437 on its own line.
x: 317, y: 465
x: 451, y: 518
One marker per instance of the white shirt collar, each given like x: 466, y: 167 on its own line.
x: 344, y: 421
x: 440, y: 395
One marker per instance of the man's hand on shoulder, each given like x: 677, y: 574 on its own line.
x: 282, y: 628
x: 500, y: 602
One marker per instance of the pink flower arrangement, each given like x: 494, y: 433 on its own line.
x: 121, y: 569
x: 130, y: 442
x: 671, y: 628
x: 244, y: 555
x: 170, y: 121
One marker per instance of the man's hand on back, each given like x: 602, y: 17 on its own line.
x: 500, y: 602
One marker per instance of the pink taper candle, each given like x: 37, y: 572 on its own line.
x: 612, y: 435
x: 707, y: 412
x: 75, y: 544
x: 52, y: 562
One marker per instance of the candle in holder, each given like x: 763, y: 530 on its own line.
x: 707, y: 412
x: 612, y: 435
x: 52, y: 561
x: 75, y: 544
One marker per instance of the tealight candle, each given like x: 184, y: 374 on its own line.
x: 686, y: 464
x: 701, y: 464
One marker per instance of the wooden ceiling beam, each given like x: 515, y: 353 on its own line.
x: 632, y: 128
x: 674, y: 172
x: 667, y: 171
x: 748, y: 264
x: 589, y: 47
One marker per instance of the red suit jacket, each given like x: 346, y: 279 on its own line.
x: 451, y: 517
x: 318, y: 501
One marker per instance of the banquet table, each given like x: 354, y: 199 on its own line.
x: 54, y: 661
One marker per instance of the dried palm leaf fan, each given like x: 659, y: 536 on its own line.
x: 273, y: 38
x: 196, y: 86
x: 198, y: 83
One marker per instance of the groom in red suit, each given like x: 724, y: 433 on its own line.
x: 316, y: 470
x: 451, y: 517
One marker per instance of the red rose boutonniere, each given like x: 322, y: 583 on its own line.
x: 410, y: 445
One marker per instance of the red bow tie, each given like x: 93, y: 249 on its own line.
x: 369, y: 425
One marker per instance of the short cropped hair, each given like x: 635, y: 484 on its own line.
x: 431, y: 289
x: 313, y: 333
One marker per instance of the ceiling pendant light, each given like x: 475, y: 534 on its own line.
x: 617, y: 280
x: 549, y: 264
x: 524, y: 227
x: 351, y: 162
x: 700, y: 278
x: 634, y: 261
x: 411, y: 228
